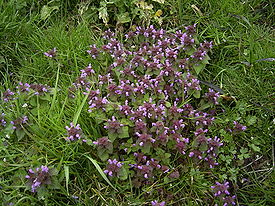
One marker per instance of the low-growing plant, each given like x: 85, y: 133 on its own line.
x: 154, y: 114
x: 156, y: 120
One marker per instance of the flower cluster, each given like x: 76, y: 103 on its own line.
x: 25, y: 88
x: 113, y: 167
x: 8, y: 95
x: 221, y: 190
x: 51, y: 53
x: 74, y: 132
x: 2, y: 120
x: 238, y: 127
x: 212, y: 96
x: 156, y: 203
x: 19, y: 123
x: 38, y: 177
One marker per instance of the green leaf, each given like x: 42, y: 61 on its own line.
x: 123, y: 174
x: 112, y: 136
x: 20, y: 134
x: 34, y: 111
x: 251, y: 120
x: 198, y: 68
x: 54, y: 184
x: 103, y: 14
x: 167, y: 104
x: 103, y: 154
x: 197, y: 94
x: 46, y: 11
x: 160, y: 1
x: 124, y: 133
x: 101, y: 172
x: 42, y: 193
x: 254, y: 147
x: 146, y: 148
x: 77, y: 114
x: 123, y: 18
x: 33, y: 101
x: 66, y: 171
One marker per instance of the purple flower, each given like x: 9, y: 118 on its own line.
x: 199, y: 54
x: 23, y: 88
x: 125, y: 109
x: 113, y: 125
x: 156, y: 203
x: 108, y: 34
x: 88, y: 71
x: 220, y: 189
x: 51, y: 53
x: 228, y: 200
x: 212, y: 96
x: 41, y: 176
x: 2, y: 120
x: 8, y: 95
x: 19, y: 123
x: 191, y: 29
x: 98, y: 103
x: 238, y: 127
x: 74, y: 132
x: 39, y: 89
x: 113, y: 167
x: 93, y: 51
x: 103, y: 142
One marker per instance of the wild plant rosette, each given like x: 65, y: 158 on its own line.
x: 153, y: 111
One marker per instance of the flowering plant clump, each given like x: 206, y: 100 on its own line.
x: 74, y: 132
x: 29, y: 97
x: 2, y: 120
x: 151, y: 105
x: 19, y: 122
x: 156, y: 203
x: 38, y: 177
x: 113, y: 167
x: 51, y: 53
x: 221, y: 190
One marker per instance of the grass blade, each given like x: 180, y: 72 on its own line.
x: 101, y: 171
x: 55, y: 88
x: 66, y: 170
x: 77, y: 114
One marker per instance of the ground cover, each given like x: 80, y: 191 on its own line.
x: 240, y: 68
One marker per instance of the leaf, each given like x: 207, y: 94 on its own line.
x: 160, y: 1
x: 66, y: 170
x: 112, y: 136
x: 146, y: 148
x: 103, y: 14
x: 125, y: 132
x: 254, y: 147
x: 123, y: 18
x: 251, y: 120
x: 158, y: 13
x: 20, y: 134
x: 33, y: 101
x: 198, y: 68
x: 42, y: 193
x: 77, y: 114
x: 46, y: 11
x: 123, y: 174
x: 144, y: 5
x: 101, y: 171
x: 102, y: 153
x: 54, y: 184
x: 197, y: 94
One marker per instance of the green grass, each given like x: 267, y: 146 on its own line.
x: 243, y: 35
